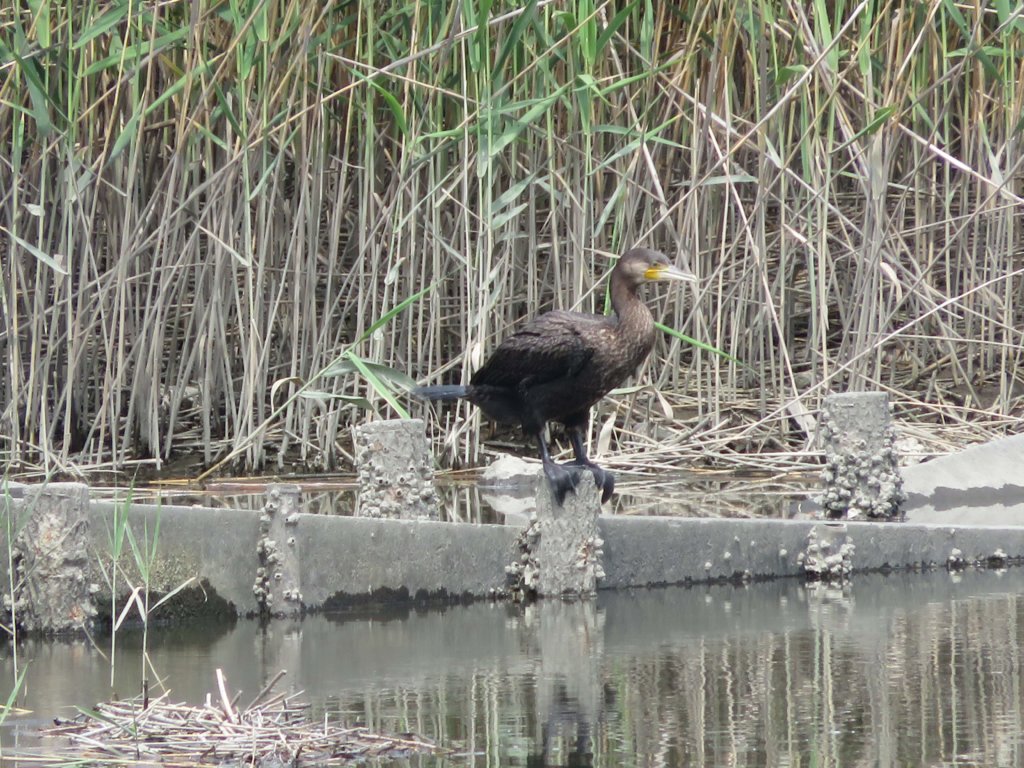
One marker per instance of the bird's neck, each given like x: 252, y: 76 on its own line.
x: 633, y: 315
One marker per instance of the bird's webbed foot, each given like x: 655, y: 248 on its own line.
x: 605, y: 480
x: 563, y: 478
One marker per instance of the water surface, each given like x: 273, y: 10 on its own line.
x: 675, y: 494
x: 914, y: 669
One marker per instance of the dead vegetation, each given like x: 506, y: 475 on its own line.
x: 206, y: 215
x: 274, y: 730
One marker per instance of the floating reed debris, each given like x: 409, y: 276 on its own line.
x: 275, y: 730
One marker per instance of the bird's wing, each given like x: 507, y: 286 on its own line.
x: 551, y: 346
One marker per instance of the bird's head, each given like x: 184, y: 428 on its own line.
x: 643, y: 265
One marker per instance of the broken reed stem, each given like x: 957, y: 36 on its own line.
x: 225, y: 701
x: 267, y: 688
x: 279, y: 730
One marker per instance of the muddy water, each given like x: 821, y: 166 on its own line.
x: 921, y: 669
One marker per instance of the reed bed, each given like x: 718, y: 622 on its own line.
x: 231, y: 229
x: 274, y: 730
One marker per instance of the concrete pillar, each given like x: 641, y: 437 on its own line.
x: 861, y: 476
x: 396, y: 470
x: 53, y: 590
x: 568, y: 547
x: 278, y: 587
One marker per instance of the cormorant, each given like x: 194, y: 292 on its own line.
x: 561, y: 363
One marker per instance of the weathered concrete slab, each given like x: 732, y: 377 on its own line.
x: 642, y: 551
x: 981, y: 485
x: 351, y: 559
x: 218, y: 546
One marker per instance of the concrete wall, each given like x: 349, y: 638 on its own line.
x: 640, y: 551
x: 345, y: 560
x: 342, y: 560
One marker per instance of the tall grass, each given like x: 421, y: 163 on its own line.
x: 137, y: 574
x: 202, y: 205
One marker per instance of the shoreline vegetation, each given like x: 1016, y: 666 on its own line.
x: 214, y: 216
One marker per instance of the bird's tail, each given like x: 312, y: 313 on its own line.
x: 440, y: 392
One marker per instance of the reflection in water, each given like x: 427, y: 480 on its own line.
x: 897, y: 670
x: 459, y: 502
x: 675, y: 494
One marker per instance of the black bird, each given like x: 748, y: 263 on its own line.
x: 561, y: 363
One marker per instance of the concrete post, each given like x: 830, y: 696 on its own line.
x: 53, y: 591
x: 396, y: 470
x: 861, y: 475
x: 278, y: 587
x: 568, y: 548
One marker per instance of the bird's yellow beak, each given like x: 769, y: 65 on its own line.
x: 669, y: 272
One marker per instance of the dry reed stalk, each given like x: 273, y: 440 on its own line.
x: 202, y: 209
x: 277, y: 730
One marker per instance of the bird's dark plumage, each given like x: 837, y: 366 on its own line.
x: 560, y: 363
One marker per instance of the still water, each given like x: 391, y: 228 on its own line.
x: 916, y: 669
x: 676, y: 494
